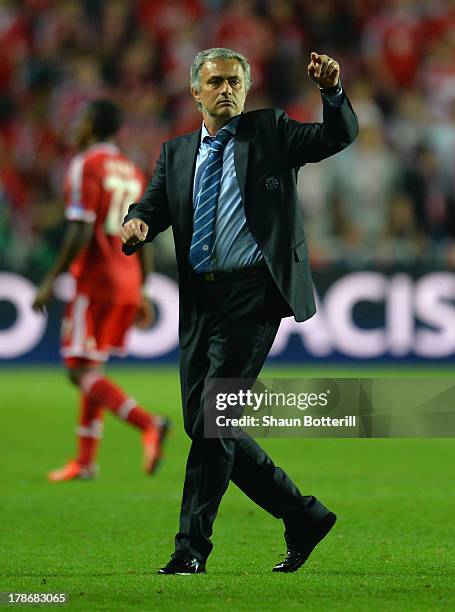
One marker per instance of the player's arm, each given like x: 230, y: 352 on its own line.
x: 151, y: 215
x: 146, y: 313
x: 77, y: 236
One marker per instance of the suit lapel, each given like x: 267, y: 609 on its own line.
x: 186, y: 164
x: 241, y: 151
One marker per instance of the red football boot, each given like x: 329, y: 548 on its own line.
x: 153, y: 439
x: 73, y: 471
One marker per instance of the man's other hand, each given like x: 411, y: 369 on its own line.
x: 324, y: 70
x: 134, y: 232
x: 145, y: 314
x: 43, y: 296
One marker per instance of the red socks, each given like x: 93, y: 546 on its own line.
x: 102, y: 392
x: 90, y: 430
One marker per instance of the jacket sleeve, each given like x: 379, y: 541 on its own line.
x: 153, y: 208
x: 311, y: 142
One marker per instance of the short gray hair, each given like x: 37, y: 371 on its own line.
x: 215, y: 53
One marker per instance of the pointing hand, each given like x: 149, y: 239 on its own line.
x: 324, y: 70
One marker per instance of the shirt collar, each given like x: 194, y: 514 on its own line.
x: 231, y: 126
x: 103, y: 147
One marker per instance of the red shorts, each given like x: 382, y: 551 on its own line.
x: 94, y: 330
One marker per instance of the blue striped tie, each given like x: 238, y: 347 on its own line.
x: 206, y: 204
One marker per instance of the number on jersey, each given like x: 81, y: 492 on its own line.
x: 124, y: 191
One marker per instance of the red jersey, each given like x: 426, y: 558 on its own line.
x: 99, y: 186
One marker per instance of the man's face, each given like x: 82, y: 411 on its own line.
x: 222, y: 88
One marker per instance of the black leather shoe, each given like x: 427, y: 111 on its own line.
x: 182, y: 563
x: 298, y: 553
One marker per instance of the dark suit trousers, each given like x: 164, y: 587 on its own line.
x: 236, y: 326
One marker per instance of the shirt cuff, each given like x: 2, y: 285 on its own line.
x: 333, y: 95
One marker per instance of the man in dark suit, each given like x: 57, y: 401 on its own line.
x: 229, y: 192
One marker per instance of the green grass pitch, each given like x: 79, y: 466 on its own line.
x: 102, y: 541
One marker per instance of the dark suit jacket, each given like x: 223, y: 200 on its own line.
x: 269, y: 150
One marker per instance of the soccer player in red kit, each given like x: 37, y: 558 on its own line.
x: 100, y: 184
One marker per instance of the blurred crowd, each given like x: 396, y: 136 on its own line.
x: 388, y: 200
